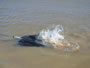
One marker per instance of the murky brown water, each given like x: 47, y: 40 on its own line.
x: 22, y: 17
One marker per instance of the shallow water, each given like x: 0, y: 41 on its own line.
x: 23, y: 17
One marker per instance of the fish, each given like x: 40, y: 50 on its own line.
x: 30, y: 40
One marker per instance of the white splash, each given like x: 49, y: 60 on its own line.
x: 55, y: 37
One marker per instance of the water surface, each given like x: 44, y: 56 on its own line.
x: 22, y: 17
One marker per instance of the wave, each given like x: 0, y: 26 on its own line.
x: 55, y: 37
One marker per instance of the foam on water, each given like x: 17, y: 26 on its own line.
x: 55, y: 37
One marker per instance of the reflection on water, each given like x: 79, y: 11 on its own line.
x: 23, y: 17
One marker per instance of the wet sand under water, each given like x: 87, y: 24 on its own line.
x: 30, y: 17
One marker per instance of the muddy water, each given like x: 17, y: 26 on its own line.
x: 22, y: 17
